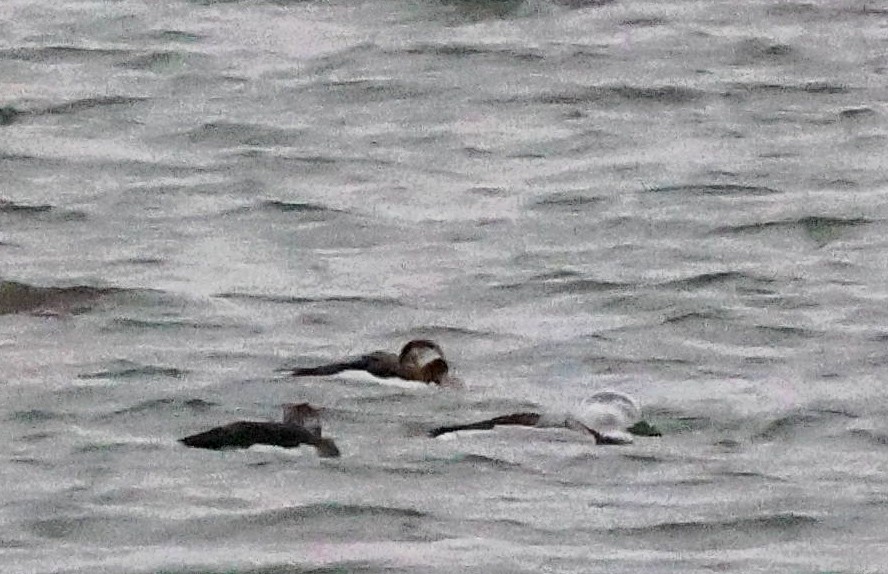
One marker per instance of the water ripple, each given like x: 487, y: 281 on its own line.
x: 18, y: 297
x: 123, y: 369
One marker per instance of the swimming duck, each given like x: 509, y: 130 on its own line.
x: 301, y: 425
x: 419, y: 360
x: 608, y: 416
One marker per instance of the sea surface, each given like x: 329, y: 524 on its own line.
x: 682, y: 200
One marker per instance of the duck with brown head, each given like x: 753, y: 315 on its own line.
x: 301, y: 425
x: 419, y: 360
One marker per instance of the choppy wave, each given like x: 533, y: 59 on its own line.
x: 562, y: 282
x: 225, y: 133
x: 167, y: 404
x: 715, y: 189
x: 733, y: 532
x: 461, y: 51
x: 296, y: 300
x: 576, y: 202
x: 801, y: 422
x: 16, y: 297
x: 666, y: 95
x: 821, y: 229
x: 39, y: 211
x: 54, y: 54
x: 124, y: 369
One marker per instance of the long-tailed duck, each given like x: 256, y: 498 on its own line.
x: 419, y: 360
x: 301, y: 425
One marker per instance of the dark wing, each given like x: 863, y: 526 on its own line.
x: 359, y: 364
x: 523, y: 419
x: 379, y: 364
x: 244, y: 434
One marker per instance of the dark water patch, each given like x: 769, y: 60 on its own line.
x: 175, y: 36
x: 306, y: 211
x: 246, y: 186
x: 367, y: 91
x: 84, y: 104
x: 8, y: 114
x: 272, y: 159
x: 784, y: 332
x: 603, y: 364
x: 58, y: 54
x: 18, y: 297
x: 480, y: 461
x: 294, y: 300
x: 17, y: 208
x: 466, y: 51
x: 123, y: 369
x: 111, y: 447
x: 411, y: 471
x: 821, y: 229
x: 833, y: 183
x: 164, y: 61
x: 297, y: 515
x: 695, y: 317
x: 728, y: 445
x: 495, y: 406
x: 344, y: 567
x: 488, y: 191
x: 792, y: 9
x: 703, y: 280
x: 58, y: 528
x: 642, y: 22
x: 40, y: 211
x: 237, y: 134
x: 787, y: 426
x: 643, y: 458
x: 13, y: 543
x: 770, y: 89
x: 752, y: 476
x: 167, y: 404
x: 714, y: 189
x: 387, y: 399
x: 477, y: 152
x: 150, y: 261
x: 37, y: 436
x: 866, y: 10
x: 730, y: 533
x: 872, y: 436
x: 670, y: 422
x: 563, y: 286
x: 574, y: 202
x: 213, y: 2
x: 578, y: 4
x: 294, y: 207
x: 37, y: 416
x: 857, y: 114
x: 17, y: 157
x: 126, y: 324
x: 667, y: 95
x: 757, y: 50
x: 556, y: 275
x: 475, y: 10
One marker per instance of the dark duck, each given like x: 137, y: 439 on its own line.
x: 608, y: 417
x: 419, y: 360
x: 301, y: 425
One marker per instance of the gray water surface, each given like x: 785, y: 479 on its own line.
x: 685, y: 201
